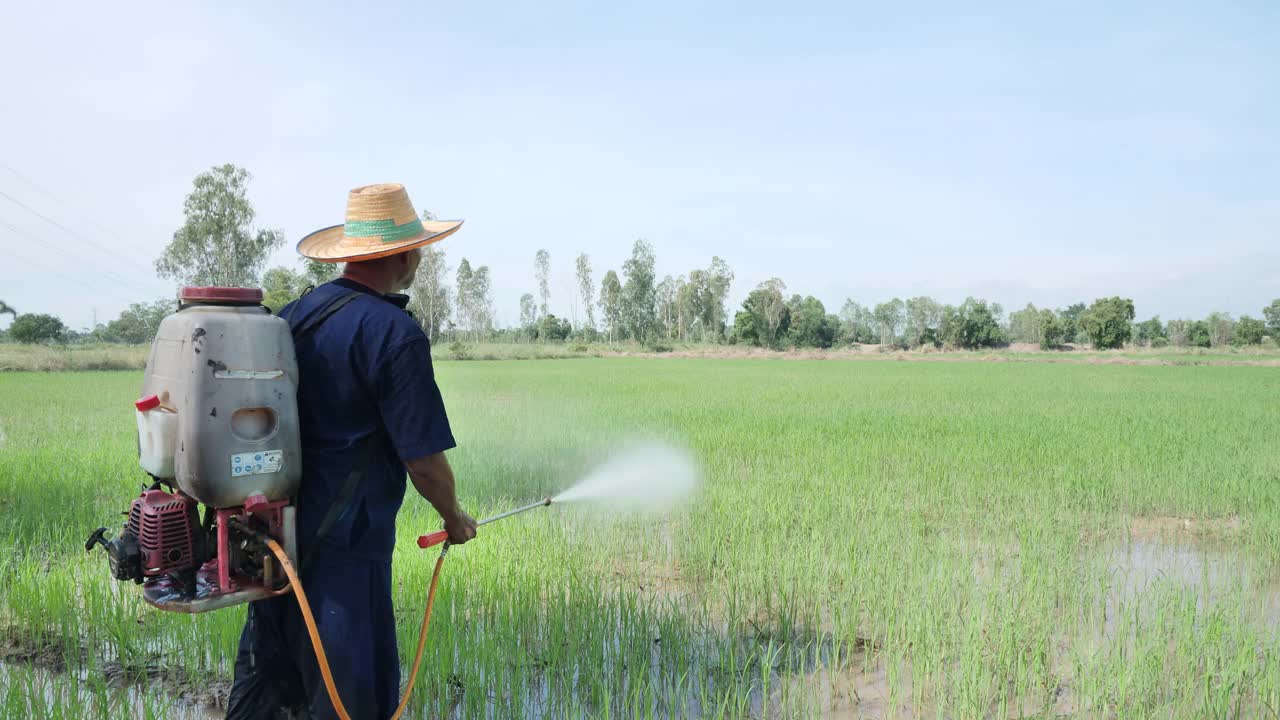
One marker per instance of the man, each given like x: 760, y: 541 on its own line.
x: 369, y: 410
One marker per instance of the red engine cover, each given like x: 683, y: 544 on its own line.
x: 165, y: 525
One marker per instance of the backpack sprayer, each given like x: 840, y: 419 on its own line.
x: 218, y: 427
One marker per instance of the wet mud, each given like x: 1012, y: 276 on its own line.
x: 46, y: 664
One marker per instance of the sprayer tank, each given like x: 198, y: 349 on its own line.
x: 229, y: 374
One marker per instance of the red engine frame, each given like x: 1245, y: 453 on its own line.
x: 170, y: 541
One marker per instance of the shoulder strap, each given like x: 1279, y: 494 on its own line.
x: 324, y: 313
x: 342, y: 501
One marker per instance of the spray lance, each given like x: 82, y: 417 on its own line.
x: 435, y: 538
x: 424, y: 542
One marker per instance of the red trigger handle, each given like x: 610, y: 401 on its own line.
x: 435, y: 538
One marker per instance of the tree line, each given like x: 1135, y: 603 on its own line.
x: 218, y: 244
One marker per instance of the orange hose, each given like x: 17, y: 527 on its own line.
x: 323, y: 661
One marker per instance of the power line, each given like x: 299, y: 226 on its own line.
x: 121, y: 281
x: 73, y: 280
x: 112, y: 254
x: 83, y: 216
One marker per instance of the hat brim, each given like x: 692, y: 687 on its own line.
x: 332, y: 245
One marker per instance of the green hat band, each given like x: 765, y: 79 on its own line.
x: 387, y: 229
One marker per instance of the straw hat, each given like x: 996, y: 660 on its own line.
x: 380, y: 222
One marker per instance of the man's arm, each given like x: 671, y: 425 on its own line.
x: 433, y: 479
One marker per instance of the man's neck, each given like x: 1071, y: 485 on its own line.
x: 371, y: 280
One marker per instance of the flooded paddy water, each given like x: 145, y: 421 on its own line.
x: 1167, y: 580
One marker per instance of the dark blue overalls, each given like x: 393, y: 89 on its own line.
x: 367, y: 398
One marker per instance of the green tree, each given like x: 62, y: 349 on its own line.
x: 922, y: 317
x: 700, y: 302
x: 1149, y: 332
x: 1071, y: 322
x: 690, y: 293
x: 139, y: 322
x: 1221, y: 328
x: 474, y: 301
x: 1024, y: 325
x: 529, y: 315
x: 1107, y: 322
x: 431, y: 297
x: 587, y: 289
x: 718, y: 278
x: 1272, y: 314
x: 744, y: 329
x: 316, y: 273
x: 553, y: 329
x: 810, y: 325
x: 216, y: 244
x: 1249, y: 331
x: 666, y: 295
x: 1052, y: 330
x: 889, y: 320
x: 281, y: 286
x: 1199, y: 334
x: 542, y: 271
x: 639, y: 311
x: 611, y: 305
x: 37, y: 328
x: 6, y: 308
x: 972, y: 325
x: 771, y: 315
x: 857, y: 322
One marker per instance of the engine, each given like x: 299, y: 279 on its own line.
x: 161, y: 537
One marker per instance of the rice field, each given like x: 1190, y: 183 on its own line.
x: 873, y: 539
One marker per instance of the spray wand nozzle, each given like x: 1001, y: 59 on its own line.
x: 435, y: 538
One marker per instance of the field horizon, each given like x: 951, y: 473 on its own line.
x: 16, y: 357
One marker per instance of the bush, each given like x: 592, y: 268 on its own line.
x: 139, y: 322
x: 37, y: 328
x: 1052, y: 330
x: 553, y: 329
x: 1199, y: 335
x: 1249, y: 331
x: 459, y: 349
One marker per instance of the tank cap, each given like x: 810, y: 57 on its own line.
x: 220, y: 295
x: 147, y: 403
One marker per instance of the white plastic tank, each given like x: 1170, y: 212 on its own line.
x: 157, y: 436
x: 225, y: 369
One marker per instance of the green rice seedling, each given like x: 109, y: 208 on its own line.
x: 939, y: 539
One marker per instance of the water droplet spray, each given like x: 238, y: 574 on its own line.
x: 645, y: 476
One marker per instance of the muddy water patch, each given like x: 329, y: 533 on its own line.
x: 1212, y: 572
x: 52, y: 671
x: 30, y: 690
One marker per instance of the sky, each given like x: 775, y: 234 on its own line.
x: 1021, y: 152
